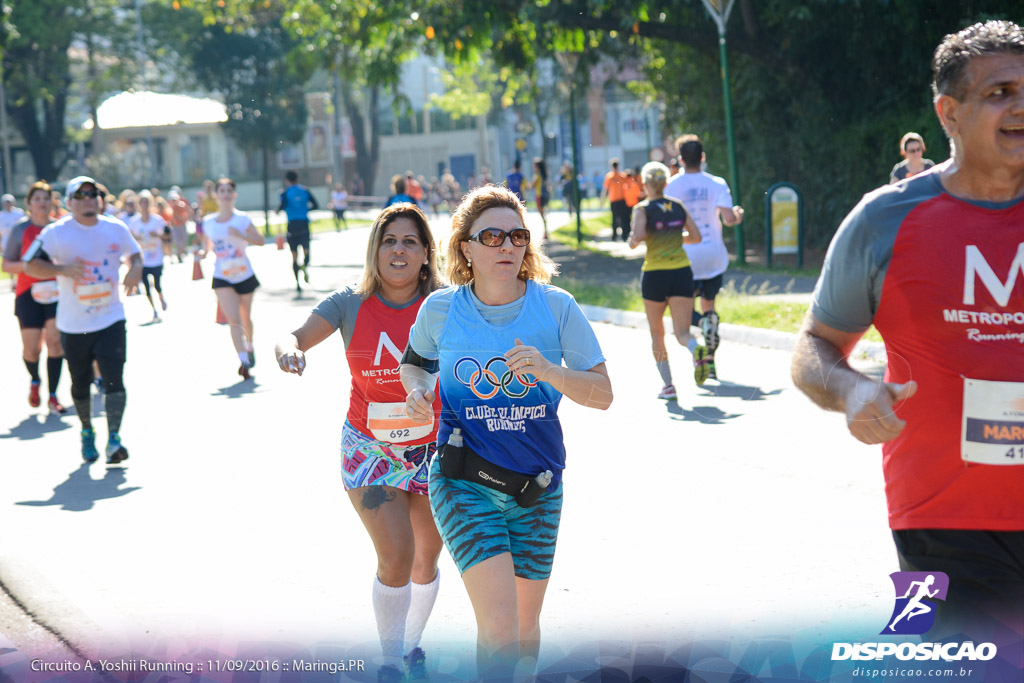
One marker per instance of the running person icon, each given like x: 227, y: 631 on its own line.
x: 915, y: 607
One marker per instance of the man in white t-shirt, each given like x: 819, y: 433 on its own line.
x: 149, y: 229
x: 84, y: 252
x: 10, y: 216
x: 709, y: 201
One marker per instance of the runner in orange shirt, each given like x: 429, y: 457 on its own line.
x: 613, y: 190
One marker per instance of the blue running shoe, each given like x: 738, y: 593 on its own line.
x: 416, y: 665
x: 116, y: 452
x: 89, y: 452
x: 389, y: 674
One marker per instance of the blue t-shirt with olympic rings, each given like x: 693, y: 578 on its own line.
x: 509, y: 420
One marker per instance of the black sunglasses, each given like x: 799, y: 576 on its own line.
x: 85, y: 194
x: 495, y: 237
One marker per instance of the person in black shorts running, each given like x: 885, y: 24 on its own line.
x: 667, y: 281
x: 84, y: 252
x: 35, y: 301
x: 297, y: 202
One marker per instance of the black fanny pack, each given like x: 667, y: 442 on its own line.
x: 461, y: 462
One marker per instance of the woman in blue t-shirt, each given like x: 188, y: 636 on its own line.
x: 495, y: 344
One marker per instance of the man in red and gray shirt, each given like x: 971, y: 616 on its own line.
x: 935, y: 263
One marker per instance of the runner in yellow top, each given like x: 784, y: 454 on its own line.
x: 664, y: 224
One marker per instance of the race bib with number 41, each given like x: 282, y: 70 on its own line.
x: 993, y: 423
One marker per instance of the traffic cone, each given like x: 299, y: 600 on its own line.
x: 280, y: 242
x: 221, y: 318
x: 197, y: 270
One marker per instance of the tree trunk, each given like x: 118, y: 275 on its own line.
x: 367, y: 151
x: 266, y: 188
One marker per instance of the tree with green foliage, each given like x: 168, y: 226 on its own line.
x: 37, y: 38
x: 260, y: 71
x: 365, y: 43
x: 822, y: 89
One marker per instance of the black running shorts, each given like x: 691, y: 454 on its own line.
x: 658, y: 285
x: 31, y: 314
x: 244, y: 287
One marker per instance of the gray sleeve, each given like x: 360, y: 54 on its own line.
x: 430, y: 320
x: 12, y: 252
x: 844, y: 296
x: 850, y: 287
x: 340, y: 310
x: 580, y: 348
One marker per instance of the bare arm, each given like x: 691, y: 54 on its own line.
x: 13, y: 266
x: 638, y: 227
x: 46, y: 270
x: 419, y: 384
x: 251, y: 235
x: 692, y: 234
x: 134, y: 275
x: 591, y: 388
x: 291, y: 351
x: 731, y: 216
x: 820, y: 369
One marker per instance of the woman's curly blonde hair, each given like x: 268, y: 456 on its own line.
x: 536, y: 264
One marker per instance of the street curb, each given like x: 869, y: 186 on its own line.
x: 751, y: 336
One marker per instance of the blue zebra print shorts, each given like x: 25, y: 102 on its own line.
x: 477, y: 523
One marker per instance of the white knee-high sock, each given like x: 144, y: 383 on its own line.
x: 391, y: 606
x: 423, y: 596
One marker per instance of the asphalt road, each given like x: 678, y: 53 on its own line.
x: 740, y: 513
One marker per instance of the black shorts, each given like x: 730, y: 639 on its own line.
x: 155, y: 271
x: 658, y: 285
x: 339, y: 213
x: 81, y: 350
x: 298, y: 234
x: 32, y: 315
x: 244, y: 287
x: 708, y: 289
x: 985, y: 569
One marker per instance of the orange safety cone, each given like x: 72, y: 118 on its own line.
x: 221, y: 318
x: 280, y: 242
x: 197, y: 270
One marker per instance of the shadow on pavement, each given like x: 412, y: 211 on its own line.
x: 239, y: 389
x: 741, y: 391
x: 33, y: 428
x: 80, y: 492
x: 708, y: 415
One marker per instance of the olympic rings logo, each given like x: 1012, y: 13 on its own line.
x: 485, y: 372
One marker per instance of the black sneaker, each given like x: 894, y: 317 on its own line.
x: 416, y: 665
x: 116, y: 452
x: 709, y: 328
